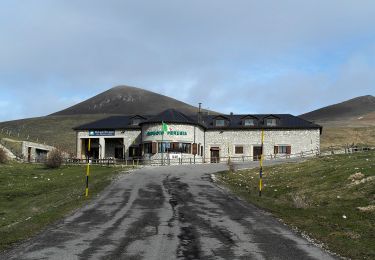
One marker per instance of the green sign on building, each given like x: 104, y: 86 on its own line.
x: 152, y: 133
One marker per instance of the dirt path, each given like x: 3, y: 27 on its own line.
x: 168, y: 213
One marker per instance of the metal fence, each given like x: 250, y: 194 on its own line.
x: 135, y: 162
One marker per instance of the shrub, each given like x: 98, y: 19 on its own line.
x: 3, y: 156
x: 54, y: 159
x: 231, y: 166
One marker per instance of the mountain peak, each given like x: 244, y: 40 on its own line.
x: 127, y: 100
x: 354, y: 107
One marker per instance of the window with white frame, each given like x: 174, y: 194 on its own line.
x: 219, y: 122
x: 249, y: 122
x: 270, y: 121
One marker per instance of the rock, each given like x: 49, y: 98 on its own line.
x: 356, y: 176
x: 368, y: 179
x: 368, y: 208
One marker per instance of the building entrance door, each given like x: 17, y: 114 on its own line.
x: 29, y: 154
x: 119, y: 153
x: 215, y: 154
x: 257, y: 152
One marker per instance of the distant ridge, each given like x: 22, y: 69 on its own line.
x: 356, y: 107
x: 127, y: 100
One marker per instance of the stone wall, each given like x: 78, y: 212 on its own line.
x: 226, y: 140
x: 299, y: 140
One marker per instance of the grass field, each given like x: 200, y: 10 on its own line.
x: 319, y: 197
x: 32, y: 196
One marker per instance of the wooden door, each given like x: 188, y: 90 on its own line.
x: 215, y: 155
x: 257, y: 152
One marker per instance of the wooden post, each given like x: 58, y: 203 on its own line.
x: 88, y: 169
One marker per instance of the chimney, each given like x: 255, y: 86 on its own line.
x: 199, y: 112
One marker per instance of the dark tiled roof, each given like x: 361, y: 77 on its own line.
x: 113, y: 122
x: 171, y: 116
x: 284, y: 121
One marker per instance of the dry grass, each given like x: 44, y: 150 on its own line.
x: 340, y: 136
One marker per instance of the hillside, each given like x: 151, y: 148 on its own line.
x: 52, y: 130
x: 349, y: 122
x: 351, y: 112
x: 56, y: 129
x: 127, y: 101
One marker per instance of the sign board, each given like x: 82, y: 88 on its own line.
x: 174, y: 156
x: 152, y: 133
x: 101, y: 132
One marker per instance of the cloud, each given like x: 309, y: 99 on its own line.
x: 240, y: 56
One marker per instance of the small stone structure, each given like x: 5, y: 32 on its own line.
x: 35, y: 152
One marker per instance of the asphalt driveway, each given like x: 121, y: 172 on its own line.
x: 174, y: 212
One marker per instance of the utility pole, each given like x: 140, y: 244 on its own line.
x: 261, y: 167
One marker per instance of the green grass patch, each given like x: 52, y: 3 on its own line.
x: 318, y: 197
x: 32, y: 196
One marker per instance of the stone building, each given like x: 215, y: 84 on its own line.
x: 199, y: 138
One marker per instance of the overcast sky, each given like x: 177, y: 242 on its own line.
x: 233, y: 56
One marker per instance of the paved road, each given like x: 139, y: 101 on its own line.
x: 172, y: 212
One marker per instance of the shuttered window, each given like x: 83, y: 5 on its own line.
x: 195, y: 148
x: 154, y: 147
x: 282, y: 149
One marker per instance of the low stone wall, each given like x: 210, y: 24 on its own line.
x: 8, y: 152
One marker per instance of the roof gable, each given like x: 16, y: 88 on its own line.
x: 171, y: 116
x: 249, y: 117
x: 271, y: 116
x: 220, y: 117
x: 138, y: 117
